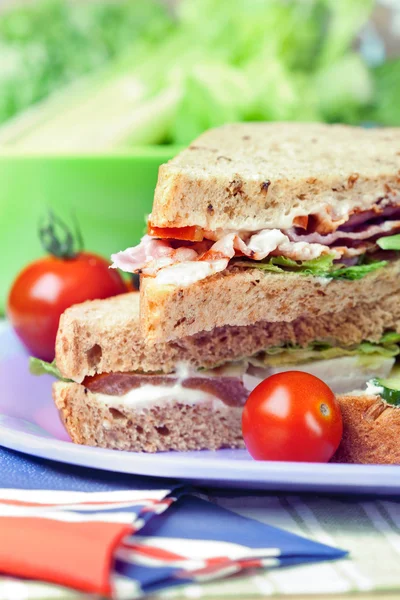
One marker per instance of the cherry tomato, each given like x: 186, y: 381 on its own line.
x: 46, y: 287
x: 292, y: 416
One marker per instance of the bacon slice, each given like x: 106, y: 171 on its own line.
x: 216, y: 259
x: 135, y: 258
x: 365, y: 233
x: 183, y: 262
x: 228, y: 389
x: 327, y: 221
x: 301, y: 222
x: 324, y: 222
x: 274, y: 241
x: 212, y: 261
x: 119, y: 384
x: 383, y: 212
x: 176, y: 256
x: 191, y: 234
x: 354, y: 251
x: 150, y: 256
x: 186, y: 265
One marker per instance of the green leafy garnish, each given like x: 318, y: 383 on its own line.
x: 308, y: 267
x: 281, y: 264
x: 322, y: 350
x: 41, y: 367
x: 319, y: 267
x: 390, y: 337
x: 388, y: 389
x: 357, y: 271
x: 387, y: 350
x: 391, y: 242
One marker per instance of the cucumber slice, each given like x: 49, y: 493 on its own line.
x: 389, y: 389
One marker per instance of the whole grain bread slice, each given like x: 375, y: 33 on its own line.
x: 246, y: 296
x: 252, y: 176
x: 180, y: 427
x: 104, y: 336
x: 371, y: 431
x: 371, y: 428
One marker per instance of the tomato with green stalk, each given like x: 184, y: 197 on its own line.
x: 49, y: 285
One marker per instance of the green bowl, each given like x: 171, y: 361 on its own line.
x: 110, y: 196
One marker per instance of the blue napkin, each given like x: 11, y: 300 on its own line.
x: 191, y: 540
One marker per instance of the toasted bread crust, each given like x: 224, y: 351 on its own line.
x: 371, y: 431
x: 371, y: 428
x: 103, y: 336
x: 253, y: 175
x: 246, y: 296
x: 177, y: 427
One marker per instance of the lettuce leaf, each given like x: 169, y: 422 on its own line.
x: 281, y: 264
x: 321, y: 350
x: 357, y: 271
x: 391, y: 242
x: 291, y: 355
x: 319, y: 267
x: 41, y: 367
x: 387, y: 350
x: 390, y: 337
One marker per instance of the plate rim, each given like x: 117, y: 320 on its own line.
x: 257, y: 473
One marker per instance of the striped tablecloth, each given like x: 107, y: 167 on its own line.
x: 368, y: 528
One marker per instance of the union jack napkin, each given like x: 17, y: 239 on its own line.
x: 125, y: 537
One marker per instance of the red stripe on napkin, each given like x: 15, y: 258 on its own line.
x: 77, y: 555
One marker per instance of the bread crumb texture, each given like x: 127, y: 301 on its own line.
x: 371, y: 430
x: 103, y: 336
x: 247, y: 296
x: 248, y: 175
x: 159, y: 429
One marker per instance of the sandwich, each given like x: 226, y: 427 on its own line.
x: 116, y: 390
x: 270, y: 247
x: 267, y: 223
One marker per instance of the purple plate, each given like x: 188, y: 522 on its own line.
x: 29, y: 422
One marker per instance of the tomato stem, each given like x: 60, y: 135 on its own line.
x: 57, y: 238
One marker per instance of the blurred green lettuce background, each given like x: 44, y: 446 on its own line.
x: 100, y: 75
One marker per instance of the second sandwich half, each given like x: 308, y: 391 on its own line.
x: 119, y: 391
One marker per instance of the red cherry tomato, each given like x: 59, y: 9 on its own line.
x: 292, y: 416
x: 48, y: 286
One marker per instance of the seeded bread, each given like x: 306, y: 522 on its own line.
x: 253, y: 175
x: 169, y: 427
x: 370, y: 435
x: 246, y: 296
x: 371, y: 431
x: 103, y: 336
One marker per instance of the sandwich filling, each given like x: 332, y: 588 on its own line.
x: 225, y: 391
x: 227, y: 386
x: 327, y: 245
